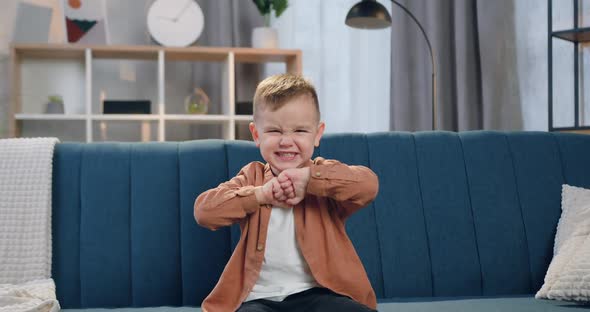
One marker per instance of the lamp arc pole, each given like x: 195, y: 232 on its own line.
x: 370, y: 14
x: 432, y: 61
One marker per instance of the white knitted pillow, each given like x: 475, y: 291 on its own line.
x: 575, y: 209
x: 568, y: 276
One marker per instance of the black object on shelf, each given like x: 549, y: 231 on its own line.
x: 127, y: 107
x: 244, y: 108
x: 575, y: 35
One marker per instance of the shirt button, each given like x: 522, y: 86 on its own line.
x: 318, y: 174
x: 259, y: 247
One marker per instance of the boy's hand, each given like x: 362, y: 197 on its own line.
x: 294, y: 184
x: 271, y: 193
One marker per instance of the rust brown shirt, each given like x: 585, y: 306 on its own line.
x: 335, y: 191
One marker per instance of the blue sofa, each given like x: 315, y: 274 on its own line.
x: 463, y: 221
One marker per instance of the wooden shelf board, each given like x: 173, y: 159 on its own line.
x: 190, y: 118
x: 198, y: 119
x: 49, y: 117
x: 582, y: 131
x: 206, y: 54
x: 125, y: 52
x: 134, y: 117
x: 248, y: 55
x: 244, y: 118
x: 574, y: 35
x: 124, y: 117
x: 49, y: 51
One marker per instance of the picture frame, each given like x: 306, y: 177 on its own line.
x: 85, y: 22
x: 38, y: 21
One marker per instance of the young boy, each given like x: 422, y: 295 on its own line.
x: 293, y: 253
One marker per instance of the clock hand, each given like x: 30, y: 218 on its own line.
x: 165, y: 18
x: 182, y: 11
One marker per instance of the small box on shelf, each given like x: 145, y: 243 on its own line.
x: 127, y: 107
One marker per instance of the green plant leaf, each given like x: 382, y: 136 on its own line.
x: 263, y: 6
x: 279, y: 6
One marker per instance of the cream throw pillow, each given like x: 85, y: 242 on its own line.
x: 568, y: 276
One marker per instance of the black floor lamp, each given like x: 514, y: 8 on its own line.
x: 370, y: 14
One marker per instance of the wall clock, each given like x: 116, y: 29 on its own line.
x: 175, y: 23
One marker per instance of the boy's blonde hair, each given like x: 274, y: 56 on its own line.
x: 273, y: 92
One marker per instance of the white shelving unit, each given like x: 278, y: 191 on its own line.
x: 86, y: 55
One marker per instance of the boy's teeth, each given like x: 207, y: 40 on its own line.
x: 287, y: 154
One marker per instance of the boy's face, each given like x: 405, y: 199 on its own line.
x: 287, y: 136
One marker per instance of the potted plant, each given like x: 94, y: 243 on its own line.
x: 267, y: 37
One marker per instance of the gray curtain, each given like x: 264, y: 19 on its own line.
x: 474, y: 44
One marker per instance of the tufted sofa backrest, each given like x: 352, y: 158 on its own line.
x: 458, y: 214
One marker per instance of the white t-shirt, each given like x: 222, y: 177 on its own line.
x: 284, y: 271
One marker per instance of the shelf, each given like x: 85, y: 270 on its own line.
x: 580, y: 129
x: 573, y: 35
x: 206, y: 54
x: 150, y: 73
x: 49, y: 117
x: 134, y: 117
x: 215, y: 54
x: 566, y: 73
x: 49, y: 51
x: 125, y: 52
x: 244, y: 118
x: 126, y: 117
x: 212, y: 119
x: 247, y: 55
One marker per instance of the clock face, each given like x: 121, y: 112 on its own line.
x: 175, y: 23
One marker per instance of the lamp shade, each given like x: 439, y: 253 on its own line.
x: 368, y: 14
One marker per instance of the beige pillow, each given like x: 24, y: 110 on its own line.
x: 568, y: 276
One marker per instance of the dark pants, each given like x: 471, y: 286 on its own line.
x: 313, y: 300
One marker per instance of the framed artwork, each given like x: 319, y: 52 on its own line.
x: 31, y: 23
x: 86, y: 21
x: 38, y: 21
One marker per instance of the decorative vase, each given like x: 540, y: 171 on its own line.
x: 55, y: 105
x: 197, y: 102
x: 265, y: 38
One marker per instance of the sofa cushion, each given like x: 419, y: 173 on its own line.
x: 361, y: 226
x: 124, y: 233
x: 482, y: 304
x: 156, y: 309
x: 479, y: 182
x: 539, y: 175
x: 203, y: 253
x: 521, y: 304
